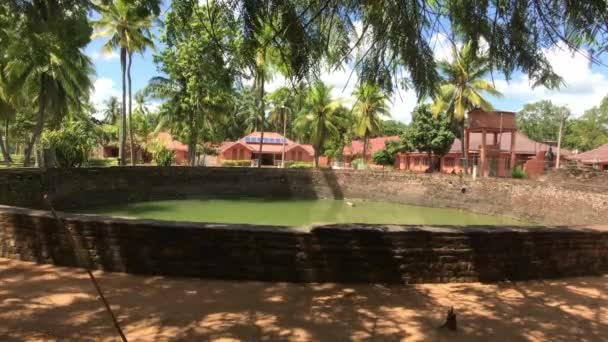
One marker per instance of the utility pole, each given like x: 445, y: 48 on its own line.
x: 284, y: 110
x: 559, y: 138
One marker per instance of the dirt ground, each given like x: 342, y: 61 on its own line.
x: 42, y: 302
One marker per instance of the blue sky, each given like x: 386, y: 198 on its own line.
x: 586, y: 84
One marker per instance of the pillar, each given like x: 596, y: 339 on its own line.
x: 467, y: 140
x: 484, y: 158
x: 513, y: 155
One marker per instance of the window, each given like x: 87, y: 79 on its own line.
x: 425, y: 161
x: 449, y: 162
x: 241, y: 154
x: 299, y: 155
x: 233, y: 153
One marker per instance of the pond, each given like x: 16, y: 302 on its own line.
x: 298, y: 212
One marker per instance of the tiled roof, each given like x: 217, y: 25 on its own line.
x: 266, y: 147
x: 375, y: 144
x: 523, y: 144
x: 170, y: 143
x: 598, y: 155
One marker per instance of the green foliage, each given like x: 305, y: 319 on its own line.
x: 519, y: 173
x: 540, y: 120
x: 200, y: 60
x: 360, y: 164
x: 102, y: 162
x: 72, y: 143
x: 429, y: 134
x: 164, y: 156
x: 321, y: 118
x: 241, y: 163
x: 590, y: 130
x: 298, y: 165
x: 391, y: 128
x: 383, y: 157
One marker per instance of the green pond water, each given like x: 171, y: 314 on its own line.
x: 298, y: 212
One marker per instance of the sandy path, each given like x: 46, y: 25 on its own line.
x: 41, y: 302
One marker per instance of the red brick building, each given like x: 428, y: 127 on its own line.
x: 248, y: 148
x: 598, y: 158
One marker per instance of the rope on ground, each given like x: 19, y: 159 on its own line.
x: 88, y: 269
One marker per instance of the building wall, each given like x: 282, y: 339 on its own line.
x: 235, y: 153
x: 299, y: 154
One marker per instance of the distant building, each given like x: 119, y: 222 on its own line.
x: 142, y: 155
x: 248, y: 148
x: 355, y: 149
x: 598, y: 158
x: 525, y: 149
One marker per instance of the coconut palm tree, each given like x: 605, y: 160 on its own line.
x: 49, y: 66
x: 320, y: 117
x: 111, y: 113
x: 122, y: 23
x: 463, y: 86
x: 371, y: 105
x: 247, y: 107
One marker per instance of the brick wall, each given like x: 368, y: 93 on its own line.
x: 344, y: 253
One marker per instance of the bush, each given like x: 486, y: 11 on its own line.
x: 164, y: 156
x: 103, y: 162
x: 519, y: 173
x: 298, y: 165
x: 358, y: 164
x: 236, y: 163
x: 71, y: 143
x: 383, y: 157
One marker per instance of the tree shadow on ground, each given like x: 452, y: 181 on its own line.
x: 47, y: 302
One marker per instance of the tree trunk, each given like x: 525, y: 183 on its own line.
x: 365, y: 142
x: 123, y: 132
x: 260, y: 80
x: 6, y: 144
x: 39, y: 124
x: 131, y: 143
x: 5, y: 154
x: 465, y: 161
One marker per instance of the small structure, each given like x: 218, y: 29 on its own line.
x: 355, y: 149
x: 597, y: 158
x: 248, y: 148
x: 179, y: 148
x: 143, y: 155
x: 496, y: 123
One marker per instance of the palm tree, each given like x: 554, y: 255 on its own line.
x: 247, y: 107
x: 111, y: 113
x: 140, y: 43
x: 128, y: 31
x: 463, y: 86
x: 320, y: 117
x: 49, y: 67
x: 370, y: 106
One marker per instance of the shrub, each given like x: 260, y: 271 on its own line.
x: 298, y: 165
x: 358, y: 164
x: 103, y: 162
x: 164, y: 156
x: 236, y: 163
x: 383, y: 157
x: 71, y: 143
x: 519, y: 173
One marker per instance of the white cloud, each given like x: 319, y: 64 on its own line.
x: 583, y: 89
x: 102, y: 56
x: 103, y: 88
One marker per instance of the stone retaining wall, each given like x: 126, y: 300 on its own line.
x: 339, y: 253
x: 549, y: 201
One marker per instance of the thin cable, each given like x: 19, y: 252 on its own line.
x: 86, y: 266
